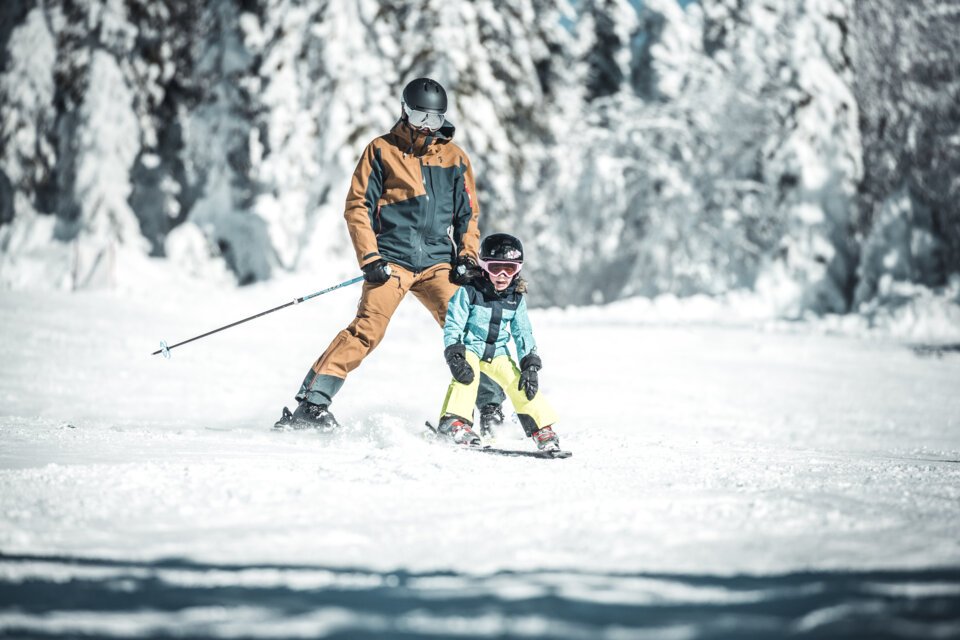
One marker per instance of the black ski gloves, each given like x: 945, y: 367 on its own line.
x: 464, y: 270
x: 459, y: 367
x: 377, y: 272
x: 529, y: 382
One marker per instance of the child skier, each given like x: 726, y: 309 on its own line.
x: 475, y: 337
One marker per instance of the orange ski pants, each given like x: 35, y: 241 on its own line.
x: 432, y: 287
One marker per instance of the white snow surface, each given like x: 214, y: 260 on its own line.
x: 699, y: 449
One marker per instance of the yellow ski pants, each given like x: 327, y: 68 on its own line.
x: 533, y: 414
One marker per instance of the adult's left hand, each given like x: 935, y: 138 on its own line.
x: 464, y: 270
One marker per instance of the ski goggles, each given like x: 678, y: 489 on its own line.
x: 496, y: 267
x: 423, y: 119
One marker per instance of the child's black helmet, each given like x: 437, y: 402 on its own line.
x: 501, y: 246
x: 424, y: 94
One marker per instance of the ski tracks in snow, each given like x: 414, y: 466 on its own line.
x: 725, y: 482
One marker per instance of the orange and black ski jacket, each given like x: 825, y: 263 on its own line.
x: 412, y: 200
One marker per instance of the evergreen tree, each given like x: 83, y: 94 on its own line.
x: 217, y: 133
x: 908, y: 89
x: 607, y: 29
x: 804, y: 150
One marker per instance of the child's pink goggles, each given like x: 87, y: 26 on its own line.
x: 496, y: 267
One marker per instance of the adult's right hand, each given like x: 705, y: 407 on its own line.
x: 377, y: 272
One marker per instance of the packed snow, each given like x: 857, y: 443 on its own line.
x: 718, y: 470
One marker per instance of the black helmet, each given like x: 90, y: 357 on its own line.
x: 424, y: 94
x: 501, y: 246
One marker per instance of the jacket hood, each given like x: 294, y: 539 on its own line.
x: 411, y: 141
x: 446, y: 131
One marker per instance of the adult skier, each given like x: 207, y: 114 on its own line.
x: 481, y: 318
x: 412, y: 215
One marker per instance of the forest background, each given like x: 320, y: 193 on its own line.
x: 806, y: 154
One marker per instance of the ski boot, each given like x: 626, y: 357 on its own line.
x: 491, y: 419
x: 307, y: 416
x: 457, y: 430
x: 546, y: 439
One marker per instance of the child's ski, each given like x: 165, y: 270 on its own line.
x: 521, y: 453
x: 517, y: 453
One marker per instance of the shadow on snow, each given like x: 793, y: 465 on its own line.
x: 52, y: 596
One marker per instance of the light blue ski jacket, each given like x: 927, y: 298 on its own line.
x: 483, y: 320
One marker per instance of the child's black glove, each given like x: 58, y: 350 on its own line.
x: 464, y: 270
x: 377, y: 272
x: 459, y: 367
x: 529, y: 383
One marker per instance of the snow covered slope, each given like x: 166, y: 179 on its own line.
x: 725, y: 480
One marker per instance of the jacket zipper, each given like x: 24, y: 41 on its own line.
x: 421, y: 229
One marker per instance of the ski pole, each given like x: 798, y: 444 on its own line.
x: 165, y: 350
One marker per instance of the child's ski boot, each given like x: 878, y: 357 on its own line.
x: 307, y: 416
x: 457, y: 430
x: 546, y: 439
x: 491, y: 419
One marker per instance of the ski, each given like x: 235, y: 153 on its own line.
x: 515, y: 453
x: 290, y: 422
x: 521, y: 453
